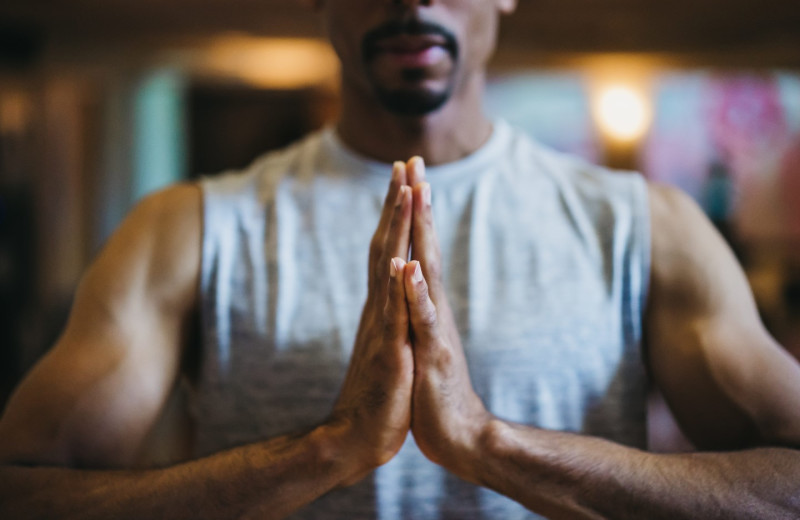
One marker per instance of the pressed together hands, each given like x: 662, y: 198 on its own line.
x: 407, y: 373
x: 408, y: 370
x: 708, y: 353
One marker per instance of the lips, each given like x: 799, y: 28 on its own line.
x: 413, y: 51
x: 408, y: 44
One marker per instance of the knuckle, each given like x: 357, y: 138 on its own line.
x: 446, y: 357
x: 428, y: 314
x: 430, y: 318
x: 397, y: 218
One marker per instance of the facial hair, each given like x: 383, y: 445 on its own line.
x: 413, y: 102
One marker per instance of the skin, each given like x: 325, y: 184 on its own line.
x: 450, y: 134
x: 74, y: 429
x: 709, y: 356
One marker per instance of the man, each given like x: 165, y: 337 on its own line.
x: 523, y: 317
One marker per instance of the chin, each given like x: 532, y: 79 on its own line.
x: 413, y: 102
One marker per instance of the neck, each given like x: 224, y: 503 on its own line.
x: 452, y: 133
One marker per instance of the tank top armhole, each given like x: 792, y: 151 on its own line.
x: 641, y: 262
x: 208, y: 259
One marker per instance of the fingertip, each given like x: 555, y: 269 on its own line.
x: 421, y: 196
x: 399, y: 172
x: 413, y: 275
x: 396, y: 267
x: 416, y: 167
x: 403, y: 200
x: 404, y: 192
x: 401, y: 196
x: 425, y: 193
x: 422, y: 311
x: 416, y: 274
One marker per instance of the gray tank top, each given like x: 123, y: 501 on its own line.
x: 546, y: 262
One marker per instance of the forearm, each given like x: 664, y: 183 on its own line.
x: 264, y: 480
x: 571, y: 476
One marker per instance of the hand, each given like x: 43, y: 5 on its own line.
x: 448, y: 416
x: 374, y: 406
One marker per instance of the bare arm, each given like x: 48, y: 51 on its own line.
x: 75, y: 426
x: 570, y: 476
x: 265, y: 480
x: 729, y: 384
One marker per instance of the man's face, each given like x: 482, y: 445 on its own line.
x: 413, y: 56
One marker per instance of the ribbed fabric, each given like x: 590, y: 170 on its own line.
x: 546, y: 262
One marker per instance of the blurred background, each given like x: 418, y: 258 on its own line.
x: 102, y: 101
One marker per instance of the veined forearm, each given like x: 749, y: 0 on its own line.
x: 564, y: 475
x: 265, y: 480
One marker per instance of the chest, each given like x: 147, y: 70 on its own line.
x: 535, y: 302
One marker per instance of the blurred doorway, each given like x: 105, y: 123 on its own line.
x: 231, y: 125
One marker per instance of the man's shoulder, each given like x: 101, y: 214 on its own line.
x: 686, y: 248
x: 152, y: 258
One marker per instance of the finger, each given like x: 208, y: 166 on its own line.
x: 426, y: 250
x: 395, y: 312
x: 398, y: 180
x: 415, y: 169
x: 425, y: 243
x: 421, y: 309
x: 377, y: 245
x: 398, y: 237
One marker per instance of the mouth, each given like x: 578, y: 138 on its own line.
x: 413, y: 50
x: 415, y: 44
x: 407, y: 43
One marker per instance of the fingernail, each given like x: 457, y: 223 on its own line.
x: 419, y: 164
x: 393, y: 269
x: 417, y: 273
x: 426, y: 194
x: 396, y: 171
x: 401, y: 193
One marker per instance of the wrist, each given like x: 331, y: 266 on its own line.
x: 333, y: 444
x: 467, y: 459
x: 494, y: 441
x: 342, y: 449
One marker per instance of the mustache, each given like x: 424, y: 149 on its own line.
x: 393, y: 28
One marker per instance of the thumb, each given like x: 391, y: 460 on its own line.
x: 421, y: 309
x: 395, y: 316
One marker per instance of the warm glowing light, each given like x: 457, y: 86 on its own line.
x: 623, y: 112
x: 280, y: 63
